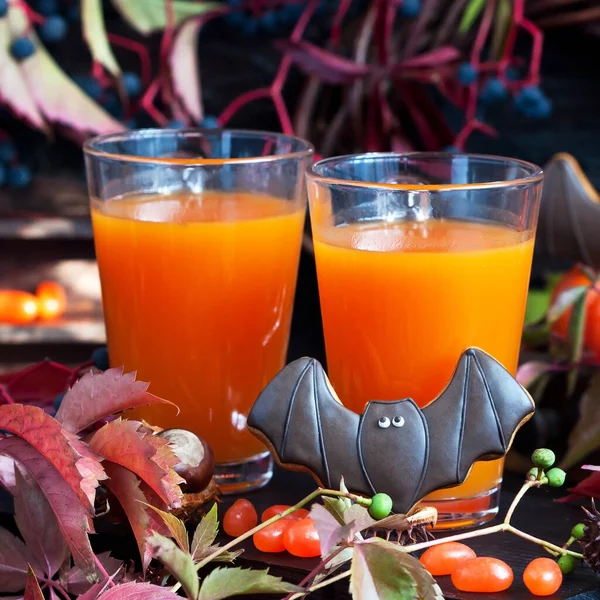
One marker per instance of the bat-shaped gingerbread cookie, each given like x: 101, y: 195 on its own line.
x: 393, y: 447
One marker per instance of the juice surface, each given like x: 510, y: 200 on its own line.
x: 198, y: 293
x: 401, y: 301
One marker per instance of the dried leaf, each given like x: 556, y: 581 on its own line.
x: 382, y: 571
x: 32, y: 587
x: 396, y: 522
x: 13, y: 87
x: 225, y: 582
x: 564, y: 301
x: 528, y: 373
x: 94, y: 32
x: 39, y: 384
x: 585, y: 436
x: 175, y: 526
x: 73, y: 517
x: 138, y: 591
x: 323, y: 64
x: 177, y: 562
x: 126, y: 443
x: 205, y: 533
x: 430, y: 59
x: 45, y: 434
x: 150, y: 15
x: 33, y: 514
x: 125, y: 485
x: 99, y: 395
x: 576, y: 337
x: 58, y: 98
x: 331, y: 533
x: 472, y: 12
x: 75, y: 581
x: 13, y: 562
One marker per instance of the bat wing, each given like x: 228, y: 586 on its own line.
x: 306, y: 427
x: 475, y: 418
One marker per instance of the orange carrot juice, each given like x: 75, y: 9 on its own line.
x: 401, y: 301
x: 198, y: 293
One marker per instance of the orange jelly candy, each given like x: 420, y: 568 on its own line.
x: 483, y: 574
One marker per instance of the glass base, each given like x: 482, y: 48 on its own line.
x: 463, y: 513
x: 244, y: 476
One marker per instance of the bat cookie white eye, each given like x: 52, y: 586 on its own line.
x: 398, y: 421
x: 384, y: 422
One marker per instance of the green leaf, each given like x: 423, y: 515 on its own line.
x: 564, y: 301
x: 382, y: 571
x: 472, y: 11
x: 151, y: 15
x: 175, y: 527
x: 576, y: 337
x: 223, y: 583
x: 502, y: 24
x: 94, y: 32
x: 224, y: 557
x: 336, y: 506
x: 585, y: 436
x: 179, y: 563
x: 205, y: 533
x: 538, y: 302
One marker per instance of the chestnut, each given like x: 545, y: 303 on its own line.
x: 197, y: 462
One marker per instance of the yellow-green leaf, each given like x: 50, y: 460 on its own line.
x: 94, y: 32
x: 502, y: 23
x: 175, y: 526
x: 472, y: 11
x: 576, y: 336
x: 151, y: 15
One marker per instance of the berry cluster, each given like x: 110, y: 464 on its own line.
x: 12, y: 173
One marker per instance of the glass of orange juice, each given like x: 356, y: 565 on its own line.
x: 198, y: 237
x: 420, y: 256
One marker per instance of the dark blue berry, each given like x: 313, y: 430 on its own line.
x: 112, y: 104
x: 19, y: 176
x: 269, y: 21
x: 466, y: 73
x: 235, y: 18
x: 493, y: 90
x: 54, y: 29
x: 22, y: 48
x: 175, y: 124
x: 57, y: 401
x: 73, y: 12
x: 8, y: 152
x: 410, y: 8
x: 532, y: 103
x: 100, y: 358
x: 451, y: 148
x: 3, y: 8
x: 47, y: 7
x: 530, y: 94
x: 89, y: 85
x: 2, y: 174
x: 513, y: 74
x: 132, y: 84
x: 210, y: 122
x: 234, y: 3
x: 250, y: 28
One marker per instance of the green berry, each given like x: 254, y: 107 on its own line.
x: 556, y: 477
x: 532, y: 474
x: 543, y: 458
x: 578, y: 531
x: 381, y: 506
x: 567, y: 563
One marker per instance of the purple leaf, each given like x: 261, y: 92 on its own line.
x: 32, y: 587
x: 529, y: 372
x: 325, y: 65
x: 72, y: 516
x: 7, y: 473
x: 13, y: 88
x: 98, y: 395
x: 75, y: 581
x: 13, y: 562
x: 432, y: 58
x: 331, y: 533
x: 94, y: 32
x: 591, y: 467
x: 33, y: 515
x: 138, y: 591
x: 94, y: 591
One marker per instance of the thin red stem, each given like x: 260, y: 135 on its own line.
x: 102, y: 570
x: 537, y: 38
x: 147, y: 103
x: 165, y: 47
x: 32, y: 16
x: 140, y: 50
x: 336, y: 24
x: 241, y: 101
x: 283, y: 114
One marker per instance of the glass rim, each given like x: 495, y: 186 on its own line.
x: 91, y: 147
x: 535, y: 175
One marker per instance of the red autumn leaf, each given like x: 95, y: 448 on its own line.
x: 99, y: 395
x: 323, y: 64
x: 33, y: 515
x: 13, y: 562
x: 432, y: 58
x: 73, y: 517
x: 125, y: 486
x: 47, y: 436
x: 126, y: 443
x: 40, y: 383
x: 75, y: 581
x: 588, y: 488
x: 139, y: 591
x: 32, y: 587
x: 94, y: 591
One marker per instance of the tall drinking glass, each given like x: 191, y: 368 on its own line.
x: 420, y: 256
x: 198, y: 236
